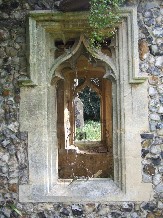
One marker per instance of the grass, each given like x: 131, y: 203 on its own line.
x: 92, y: 130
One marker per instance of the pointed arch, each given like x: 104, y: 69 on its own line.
x: 82, y: 41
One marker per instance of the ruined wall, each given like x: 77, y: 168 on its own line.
x: 13, y: 143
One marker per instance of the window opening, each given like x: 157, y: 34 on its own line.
x: 87, y: 116
x: 84, y: 105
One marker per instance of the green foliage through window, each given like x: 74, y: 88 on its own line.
x: 91, y: 103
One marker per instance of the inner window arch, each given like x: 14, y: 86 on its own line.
x: 84, y: 158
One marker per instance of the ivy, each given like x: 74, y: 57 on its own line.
x: 103, y: 14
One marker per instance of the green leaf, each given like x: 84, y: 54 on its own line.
x: 103, y: 13
x: 13, y: 207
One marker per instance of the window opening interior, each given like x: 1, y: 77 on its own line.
x: 87, y: 105
x: 78, y: 155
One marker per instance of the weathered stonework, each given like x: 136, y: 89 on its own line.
x: 14, y: 144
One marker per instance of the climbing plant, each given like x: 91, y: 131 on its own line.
x: 103, y: 13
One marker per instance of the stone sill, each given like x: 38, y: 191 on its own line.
x: 84, y: 191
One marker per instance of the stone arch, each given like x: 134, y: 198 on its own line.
x: 59, y: 63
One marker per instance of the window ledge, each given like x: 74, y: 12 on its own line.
x: 92, y: 190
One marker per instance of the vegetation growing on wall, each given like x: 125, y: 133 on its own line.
x: 103, y: 13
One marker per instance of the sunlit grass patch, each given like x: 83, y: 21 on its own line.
x: 90, y: 132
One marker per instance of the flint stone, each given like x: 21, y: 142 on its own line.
x: 152, y: 109
x: 158, y: 141
x: 11, y: 149
x: 1, y: 197
x: 161, y: 117
x: 158, y: 32
x: 153, y: 126
x: 159, y: 62
x: 104, y: 211
x: 73, y: 5
x: 2, y: 53
x: 160, y: 205
x: 157, y: 179
x: 160, y: 169
x: 155, y: 149
x: 152, y: 91
x: 159, y: 126
x: 64, y: 211
x: 147, y: 178
x: 160, y: 88
x: 6, y: 211
x: 20, y: 39
x: 41, y: 215
x: 153, y: 80
x: 159, y: 41
x: 160, y: 132
x: 5, y: 157
x: 155, y: 117
x: 13, y: 188
x: 144, y: 152
x: 150, y: 40
x: 127, y: 207
x: 156, y: 161
x: 161, y: 11
x: 150, y: 215
x: 4, y: 169
x: 147, y: 136
x: 159, y: 20
x: 149, y: 206
x: 116, y: 214
x: 151, y: 5
x: 11, y: 52
x: 28, y: 207
x: 148, y: 14
x: 159, y: 188
x: 149, y: 169
x: 14, y: 127
x: 154, y: 50
x: 161, y: 154
x: 156, y: 13
x: 151, y: 60
x: 143, y: 49
x: 154, y: 71
x: 160, y: 110
x: 143, y: 66
x: 135, y: 215
x: 146, y: 143
x: 149, y: 22
x: 89, y: 208
x: 5, y: 142
x: 76, y: 210
x: 14, y: 174
x: 3, y: 35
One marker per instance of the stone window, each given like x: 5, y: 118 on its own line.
x: 39, y: 100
